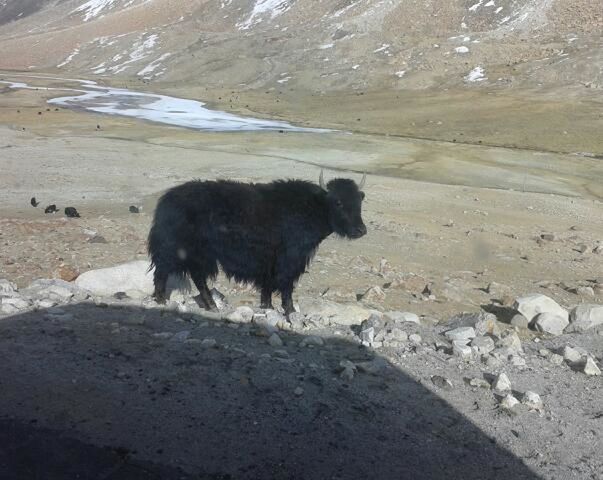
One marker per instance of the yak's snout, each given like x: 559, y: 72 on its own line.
x: 357, y: 232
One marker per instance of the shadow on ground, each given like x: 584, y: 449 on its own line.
x: 96, y: 394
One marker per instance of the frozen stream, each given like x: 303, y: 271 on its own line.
x: 155, y: 108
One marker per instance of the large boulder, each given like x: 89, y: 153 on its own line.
x: 534, y: 304
x: 134, y: 278
x: 585, y: 317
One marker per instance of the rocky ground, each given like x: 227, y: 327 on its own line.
x: 411, y: 349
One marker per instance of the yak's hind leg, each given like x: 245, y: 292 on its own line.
x: 160, y: 281
x: 266, y: 298
x: 287, y: 299
x: 199, y: 276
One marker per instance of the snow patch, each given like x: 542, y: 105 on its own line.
x: 400, y: 74
x: 274, y: 8
x: 476, y: 75
x: 474, y: 7
x: 69, y: 58
x: 93, y: 8
x: 461, y: 49
x: 148, y: 71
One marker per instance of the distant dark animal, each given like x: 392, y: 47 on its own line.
x: 33, y: 202
x: 71, y: 212
x: 51, y: 209
x: 262, y: 234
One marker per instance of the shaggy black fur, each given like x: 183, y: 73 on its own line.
x: 263, y: 234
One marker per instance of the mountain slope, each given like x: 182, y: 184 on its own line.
x: 321, y: 45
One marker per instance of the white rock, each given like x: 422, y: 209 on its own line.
x: 7, y: 287
x: 17, y: 302
x: 403, y: 317
x: 556, y: 359
x: 532, y: 305
x: 511, y: 341
x: 339, y: 314
x: 461, y: 349
x: 551, y: 323
x: 53, y: 289
x: 245, y: 312
x: 585, y: 317
x: 134, y: 278
x: 509, y: 402
x: 482, y: 345
x: 367, y: 335
x: 415, y: 338
x: 590, y: 367
x: 532, y: 400
x: 460, y: 334
x: 571, y: 355
x: 502, y: 383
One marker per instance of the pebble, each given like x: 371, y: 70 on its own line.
x: 460, y: 349
x: 509, y: 402
x: 479, y: 382
x: 590, y: 367
x: 510, y: 340
x: 209, y: 343
x: 460, y: 334
x: 367, y: 336
x: 181, y: 336
x: 556, y: 359
x: 532, y: 400
x: 296, y: 320
x: 571, y: 355
x: 482, y: 345
x: 299, y: 391
x: 275, y: 341
x: 502, y: 383
x: 584, y: 317
x: 312, y: 340
x: 163, y: 335
x: 441, y: 382
x: 403, y: 317
x: 374, y: 367
x: 415, y: 338
x: 520, y: 321
x: 348, y: 369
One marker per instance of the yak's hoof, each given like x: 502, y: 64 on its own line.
x: 160, y: 299
x: 203, y: 303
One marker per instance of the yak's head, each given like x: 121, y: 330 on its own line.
x: 345, y: 206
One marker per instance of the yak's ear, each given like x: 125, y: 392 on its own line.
x: 362, y: 195
x: 321, y: 181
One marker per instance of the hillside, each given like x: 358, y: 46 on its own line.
x: 311, y: 46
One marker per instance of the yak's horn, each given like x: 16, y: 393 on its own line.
x: 321, y: 180
x: 362, y: 182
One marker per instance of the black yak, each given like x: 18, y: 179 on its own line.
x: 263, y: 234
